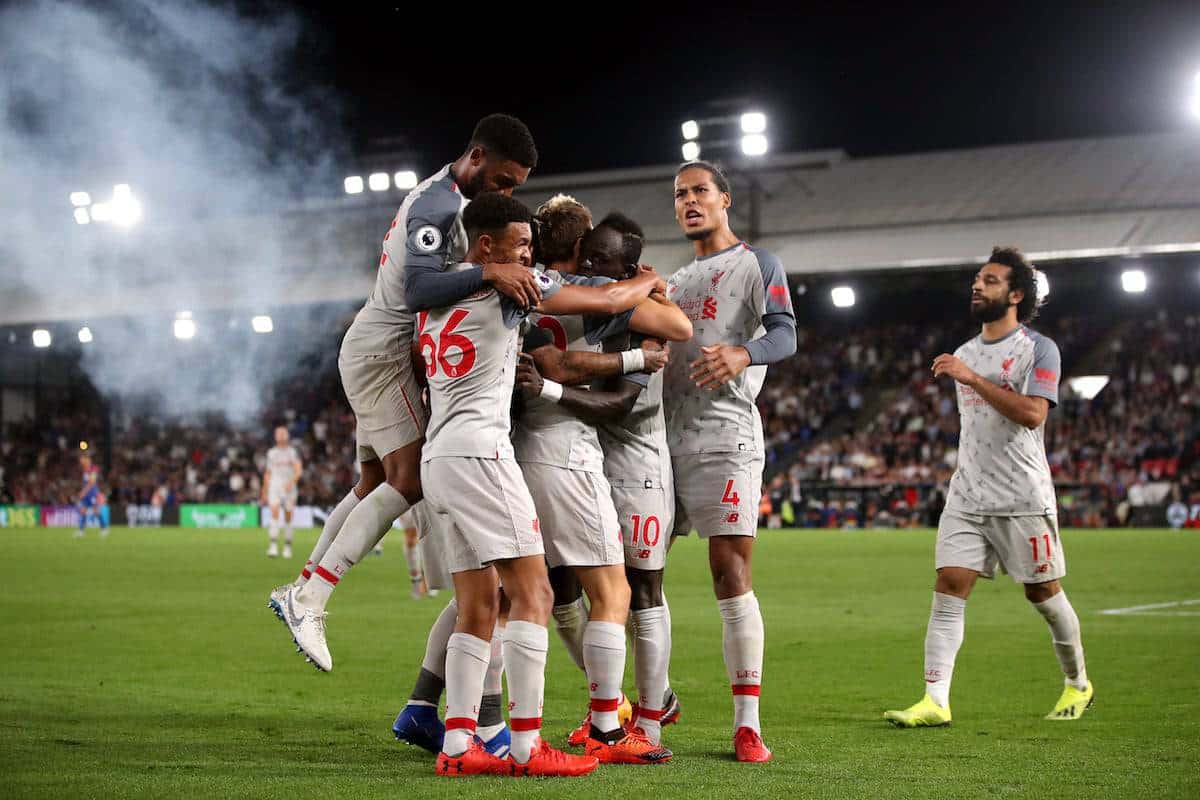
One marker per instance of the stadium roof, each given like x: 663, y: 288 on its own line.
x: 820, y: 212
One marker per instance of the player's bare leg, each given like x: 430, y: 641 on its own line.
x: 742, y: 638
x: 1051, y: 602
x: 273, y: 533
x: 287, y: 532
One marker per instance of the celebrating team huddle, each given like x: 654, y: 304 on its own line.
x: 554, y: 413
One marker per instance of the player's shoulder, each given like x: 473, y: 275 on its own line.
x: 435, y: 198
x: 767, y: 261
x: 1043, y: 346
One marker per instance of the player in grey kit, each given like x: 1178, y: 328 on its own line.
x: 737, y: 298
x: 1001, y: 505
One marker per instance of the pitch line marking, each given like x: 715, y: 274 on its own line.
x: 1153, y: 609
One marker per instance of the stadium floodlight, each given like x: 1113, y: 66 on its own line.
x: 41, y: 338
x: 262, y: 324
x: 185, y: 326
x: 842, y: 296
x: 379, y: 181
x: 691, y: 151
x: 1194, y: 103
x: 81, y: 216
x: 1088, y: 386
x: 354, y: 184
x: 691, y: 130
x: 754, y: 122
x: 1133, y: 280
x: 405, y: 179
x: 754, y: 144
x: 81, y: 199
x: 126, y: 209
x: 102, y: 212
x: 85, y: 335
x: 1043, y: 286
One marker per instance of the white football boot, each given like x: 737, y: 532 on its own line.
x: 308, y: 629
x: 273, y: 550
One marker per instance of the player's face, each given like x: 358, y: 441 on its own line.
x: 492, y: 174
x: 513, y: 246
x: 281, y: 436
x: 600, y: 254
x: 990, y: 294
x: 700, y: 208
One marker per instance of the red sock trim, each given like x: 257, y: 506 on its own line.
x: 304, y: 573
x: 519, y: 724
x: 327, y: 576
x: 746, y: 689
x: 605, y: 705
x: 460, y: 723
x: 650, y: 714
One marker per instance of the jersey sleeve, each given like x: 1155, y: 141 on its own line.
x: 775, y: 297
x: 430, y: 221
x: 597, y: 328
x: 1047, y: 368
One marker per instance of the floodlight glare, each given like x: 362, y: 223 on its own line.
x: 41, y: 338
x: 81, y: 199
x: 81, y: 216
x: 754, y: 122
x: 405, y: 179
x: 1087, y: 386
x: 378, y: 181
x: 754, y: 144
x: 122, y: 190
x: 354, y: 184
x: 1043, y: 286
x: 126, y: 210
x: 691, y: 129
x: 85, y: 335
x: 185, y: 326
x: 691, y: 151
x: 1133, y: 280
x: 1195, y: 101
x: 102, y: 212
x: 843, y: 296
x: 262, y: 324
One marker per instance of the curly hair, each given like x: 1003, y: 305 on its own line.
x: 491, y: 213
x: 1022, y: 276
x: 633, y: 238
x: 507, y: 137
x: 562, y: 221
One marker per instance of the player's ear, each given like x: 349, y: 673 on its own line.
x: 726, y: 200
x: 485, y: 243
x: 478, y: 154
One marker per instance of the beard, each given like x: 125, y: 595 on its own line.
x: 695, y: 236
x: 473, y: 187
x: 989, y: 310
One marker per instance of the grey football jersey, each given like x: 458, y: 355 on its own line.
x: 635, y: 447
x: 470, y: 352
x: 547, y: 433
x: 725, y: 295
x: 427, y: 229
x: 282, y: 461
x: 1002, y: 468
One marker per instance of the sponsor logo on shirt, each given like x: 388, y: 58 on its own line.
x: 710, y: 308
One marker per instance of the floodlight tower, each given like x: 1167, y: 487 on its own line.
x: 741, y: 134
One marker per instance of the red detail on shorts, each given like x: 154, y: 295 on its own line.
x: 732, y: 518
x: 746, y: 689
x: 411, y: 413
x: 605, y: 705
x: 382, y: 259
x: 525, y: 723
x: 537, y: 526
x: 460, y: 723
x: 778, y: 293
x: 327, y: 576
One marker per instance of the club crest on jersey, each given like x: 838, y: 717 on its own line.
x: 428, y: 238
x: 716, y: 279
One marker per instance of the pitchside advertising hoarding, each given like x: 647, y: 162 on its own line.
x: 19, y: 516
x: 213, y: 515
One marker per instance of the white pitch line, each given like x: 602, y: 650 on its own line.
x: 1150, y: 607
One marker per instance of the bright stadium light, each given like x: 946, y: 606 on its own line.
x: 102, y: 212
x: 126, y: 209
x: 405, y: 179
x: 691, y: 151
x: 691, y: 129
x: 81, y: 199
x: 81, y: 216
x: 754, y: 122
x: 41, y: 338
x: 842, y: 296
x: 354, y: 184
x: 1194, y: 103
x: 754, y: 144
x: 262, y: 324
x: 379, y: 181
x: 185, y: 326
x: 1088, y: 386
x: 1043, y: 286
x: 85, y: 335
x: 1133, y: 281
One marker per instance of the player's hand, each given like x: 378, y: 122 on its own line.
x: 656, y: 354
x: 718, y: 364
x: 515, y: 281
x: 660, y: 286
x: 529, y: 380
x: 946, y: 364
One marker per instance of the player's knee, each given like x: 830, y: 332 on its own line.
x: 731, y: 577
x: 1041, y: 592
x: 565, y: 586
x: 645, y: 588
x: 407, y: 484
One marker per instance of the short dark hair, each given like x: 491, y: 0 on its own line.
x: 1021, y: 276
x: 491, y: 213
x: 507, y: 137
x: 633, y: 238
x: 562, y: 221
x: 718, y: 174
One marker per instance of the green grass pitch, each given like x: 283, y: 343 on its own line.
x: 147, y: 665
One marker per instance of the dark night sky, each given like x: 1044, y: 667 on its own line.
x: 608, y: 86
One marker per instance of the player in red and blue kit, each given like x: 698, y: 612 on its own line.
x: 91, y: 502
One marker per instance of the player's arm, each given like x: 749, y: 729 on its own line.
x: 591, y: 406
x: 610, y: 299
x: 297, y: 473
x: 1028, y: 408
x: 659, y: 317
x: 266, y: 481
x: 573, y: 367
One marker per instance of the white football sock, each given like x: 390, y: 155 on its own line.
x: 466, y: 663
x: 364, y: 527
x: 1064, y: 633
x: 273, y: 532
x: 943, y: 637
x: 666, y: 607
x: 412, y: 555
x: 432, y: 678
x: 333, y: 524
x: 742, y: 643
x: 604, y: 657
x: 287, y: 533
x: 569, y: 621
x: 525, y: 646
x: 491, y: 720
x: 651, y: 654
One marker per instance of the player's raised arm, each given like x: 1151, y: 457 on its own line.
x: 573, y: 367
x: 591, y: 405
x: 657, y: 316
x: 607, y: 300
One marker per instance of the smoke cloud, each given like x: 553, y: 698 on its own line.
x: 208, y: 113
